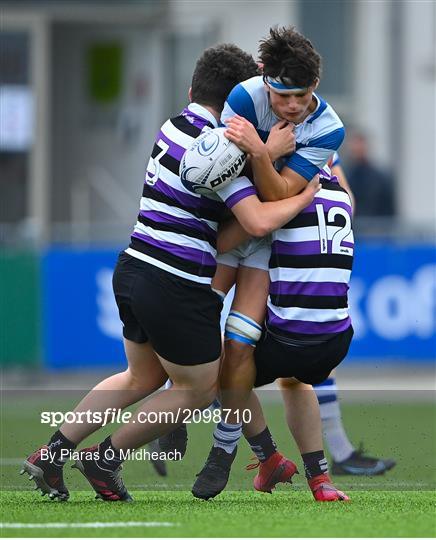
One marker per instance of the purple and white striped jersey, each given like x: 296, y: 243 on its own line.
x: 176, y: 229
x: 310, y: 268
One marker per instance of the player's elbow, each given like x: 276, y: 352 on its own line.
x: 258, y: 228
x: 273, y: 196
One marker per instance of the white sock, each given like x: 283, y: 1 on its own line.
x: 226, y: 436
x: 334, y: 434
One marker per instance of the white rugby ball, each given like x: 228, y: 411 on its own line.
x: 211, y: 162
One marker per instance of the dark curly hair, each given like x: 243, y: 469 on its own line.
x: 289, y: 55
x: 217, y: 71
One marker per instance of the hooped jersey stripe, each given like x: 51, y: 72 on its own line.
x: 176, y: 229
x: 310, y: 268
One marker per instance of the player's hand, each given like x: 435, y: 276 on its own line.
x: 311, y: 189
x: 244, y: 135
x: 281, y: 140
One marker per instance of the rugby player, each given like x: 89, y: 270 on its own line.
x: 283, y: 102
x: 162, y: 286
x: 346, y: 458
x: 309, y: 272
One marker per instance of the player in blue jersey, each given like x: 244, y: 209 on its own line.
x: 162, y: 286
x: 280, y: 103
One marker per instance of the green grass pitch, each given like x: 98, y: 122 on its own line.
x: 399, y: 504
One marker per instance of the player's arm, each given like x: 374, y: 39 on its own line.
x: 280, y: 142
x: 260, y: 218
x: 272, y: 185
x: 338, y: 171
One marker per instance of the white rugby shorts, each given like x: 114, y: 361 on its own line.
x: 253, y: 253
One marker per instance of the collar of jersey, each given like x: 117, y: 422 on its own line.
x: 320, y: 108
x: 204, y: 113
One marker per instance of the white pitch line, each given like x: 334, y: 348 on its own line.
x: 89, y: 525
x: 11, y: 461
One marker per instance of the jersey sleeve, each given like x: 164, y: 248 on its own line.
x: 240, y: 102
x: 238, y: 189
x: 308, y: 159
x: 334, y: 160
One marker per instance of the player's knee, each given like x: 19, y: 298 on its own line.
x: 209, y: 395
x: 289, y: 382
x: 136, y: 380
x: 241, y: 333
x: 199, y: 393
x: 237, y: 354
x: 205, y: 394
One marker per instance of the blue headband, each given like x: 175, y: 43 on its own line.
x: 277, y: 84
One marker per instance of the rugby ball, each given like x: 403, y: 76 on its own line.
x: 211, y: 162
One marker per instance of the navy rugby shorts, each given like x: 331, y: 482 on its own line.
x: 180, y: 318
x: 310, y: 364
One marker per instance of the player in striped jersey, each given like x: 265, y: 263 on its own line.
x: 308, y: 329
x: 170, y: 314
x: 281, y: 103
x: 346, y: 458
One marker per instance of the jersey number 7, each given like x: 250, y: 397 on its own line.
x: 153, y: 167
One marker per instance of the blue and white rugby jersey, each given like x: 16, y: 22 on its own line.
x: 317, y: 137
x: 176, y: 230
x: 310, y: 268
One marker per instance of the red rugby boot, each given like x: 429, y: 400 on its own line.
x: 275, y: 469
x: 324, y: 491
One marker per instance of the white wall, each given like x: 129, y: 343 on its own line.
x: 243, y: 22
x: 82, y: 141
x: 371, y: 76
x: 418, y: 134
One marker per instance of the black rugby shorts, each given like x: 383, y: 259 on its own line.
x: 309, y: 364
x: 180, y: 318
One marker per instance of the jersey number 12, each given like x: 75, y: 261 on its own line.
x: 339, y: 235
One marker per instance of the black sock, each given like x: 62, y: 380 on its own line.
x: 59, y: 443
x: 315, y: 463
x: 110, y: 457
x: 262, y: 445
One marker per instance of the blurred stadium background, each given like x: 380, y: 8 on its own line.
x: 85, y: 85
